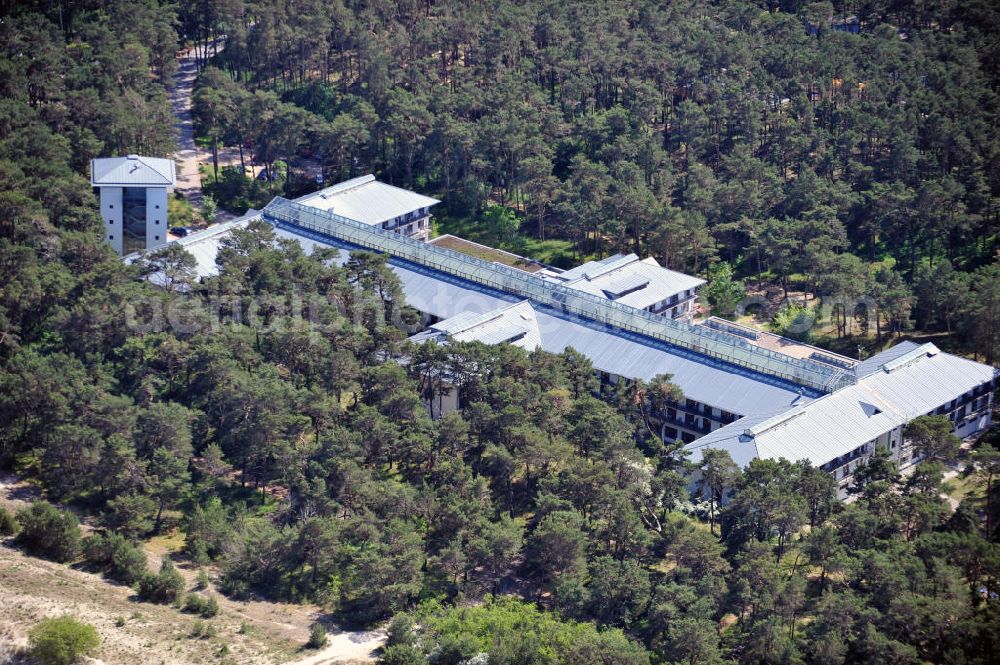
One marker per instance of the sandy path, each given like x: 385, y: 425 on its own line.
x: 188, y: 154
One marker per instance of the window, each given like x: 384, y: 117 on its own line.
x: 111, y: 221
x: 111, y: 237
x: 157, y: 206
x: 157, y: 222
x: 156, y: 237
x: 111, y: 206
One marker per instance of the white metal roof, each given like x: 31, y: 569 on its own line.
x: 701, y: 378
x: 913, y: 380
x: 132, y: 171
x: 367, y: 200
x: 626, y: 279
x: 203, y: 246
x: 841, y: 421
x: 515, y: 324
x: 627, y: 320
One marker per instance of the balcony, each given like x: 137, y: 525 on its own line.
x: 695, y: 425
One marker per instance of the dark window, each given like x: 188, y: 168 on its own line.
x: 157, y: 237
x: 157, y: 222
x: 112, y: 206
x: 111, y: 237
x: 157, y: 206
x: 111, y: 221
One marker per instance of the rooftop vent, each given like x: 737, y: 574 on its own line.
x: 919, y: 353
x: 625, y: 285
x: 843, y: 363
x: 342, y: 187
x: 773, y: 422
x: 611, y: 263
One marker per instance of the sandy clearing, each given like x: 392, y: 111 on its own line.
x: 133, y: 632
x: 346, y: 647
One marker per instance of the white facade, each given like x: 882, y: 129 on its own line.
x: 840, y: 431
x: 375, y: 203
x: 640, y: 283
x: 133, y: 194
x: 111, y: 213
x: 156, y: 217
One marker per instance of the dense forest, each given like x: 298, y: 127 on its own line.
x: 861, y: 165
x: 290, y: 444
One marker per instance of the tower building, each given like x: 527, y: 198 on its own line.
x: 133, y: 193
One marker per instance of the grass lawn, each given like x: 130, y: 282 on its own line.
x: 485, y: 253
x: 554, y: 252
x: 964, y: 487
x: 166, y: 543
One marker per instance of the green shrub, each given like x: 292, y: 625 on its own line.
x: 795, y: 322
x: 202, y: 630
x: 211, y: 608
x: 113, y: 553
x: 202, y: 579
x: 206, y: 607
x: 130, y: 515
x: 402, y: 654
x: 96, y: 551
x: 208, y: 528
x: 401, y: 631
x: 193, y: 604
x: 128, y: 563
x: 165, y: 587
x: 8, y: 526
x: 61, y: 641
x: 49, y: 532
x: 317, y: 637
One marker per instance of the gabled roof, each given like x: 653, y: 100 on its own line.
x: 367, y: 200
x: 701, y: 378
x: 907, y: 381
x: 626, y: 279
x: 132, y: 171
x: 514, y: 324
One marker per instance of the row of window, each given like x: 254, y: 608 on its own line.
x: 399, y: 221
x: 671, y: 434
